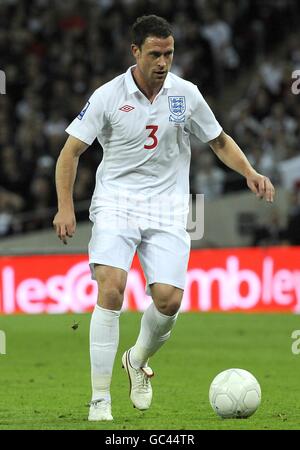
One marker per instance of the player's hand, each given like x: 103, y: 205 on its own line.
x: 65, y: 224
x: 261, y: 186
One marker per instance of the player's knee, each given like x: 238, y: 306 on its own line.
x: 170, y: 308
x: 169, y: 303
x: 111, y: 297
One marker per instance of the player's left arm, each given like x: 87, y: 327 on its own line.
x: 232, y: 156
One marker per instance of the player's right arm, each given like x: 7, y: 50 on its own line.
x: 66, y: 168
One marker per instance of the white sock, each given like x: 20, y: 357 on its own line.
x: 104, y: 340
x: 155, y: 330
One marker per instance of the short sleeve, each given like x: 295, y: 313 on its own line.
x: 203, y: 123
x: 90, y: 121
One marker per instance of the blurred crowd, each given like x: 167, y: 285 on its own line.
x: 55, y: 54
x: 265, y: 122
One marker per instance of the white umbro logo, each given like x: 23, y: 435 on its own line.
x: 126, y: 108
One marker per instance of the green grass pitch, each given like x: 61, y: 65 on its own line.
x: 45, y: 374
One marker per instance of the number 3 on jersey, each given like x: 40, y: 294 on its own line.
x: 152, y: 135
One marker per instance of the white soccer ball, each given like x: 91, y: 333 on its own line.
x: 235, y: 393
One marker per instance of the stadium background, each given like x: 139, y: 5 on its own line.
x: 242, y: 56
x: 55, y: 54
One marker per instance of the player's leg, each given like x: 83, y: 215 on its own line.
x: 104, y: 332
x: 157, y: 322
x: 110, y: 253
x: 164, y: 254
x: 164, y: 257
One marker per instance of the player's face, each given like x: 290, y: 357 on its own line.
x: 154, y: 59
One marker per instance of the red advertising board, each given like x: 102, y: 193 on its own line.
x: 248, y: 279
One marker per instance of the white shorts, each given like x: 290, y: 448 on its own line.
x: 163, y: 252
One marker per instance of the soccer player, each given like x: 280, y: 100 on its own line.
x: 142, y: 119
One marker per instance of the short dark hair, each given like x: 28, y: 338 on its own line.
x: 151, y: 25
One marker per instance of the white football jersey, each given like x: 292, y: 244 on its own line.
x: 146, y: 148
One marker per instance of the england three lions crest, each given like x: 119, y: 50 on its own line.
x: 177, y: 108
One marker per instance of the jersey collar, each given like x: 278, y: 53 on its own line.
x: 132, y: 87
